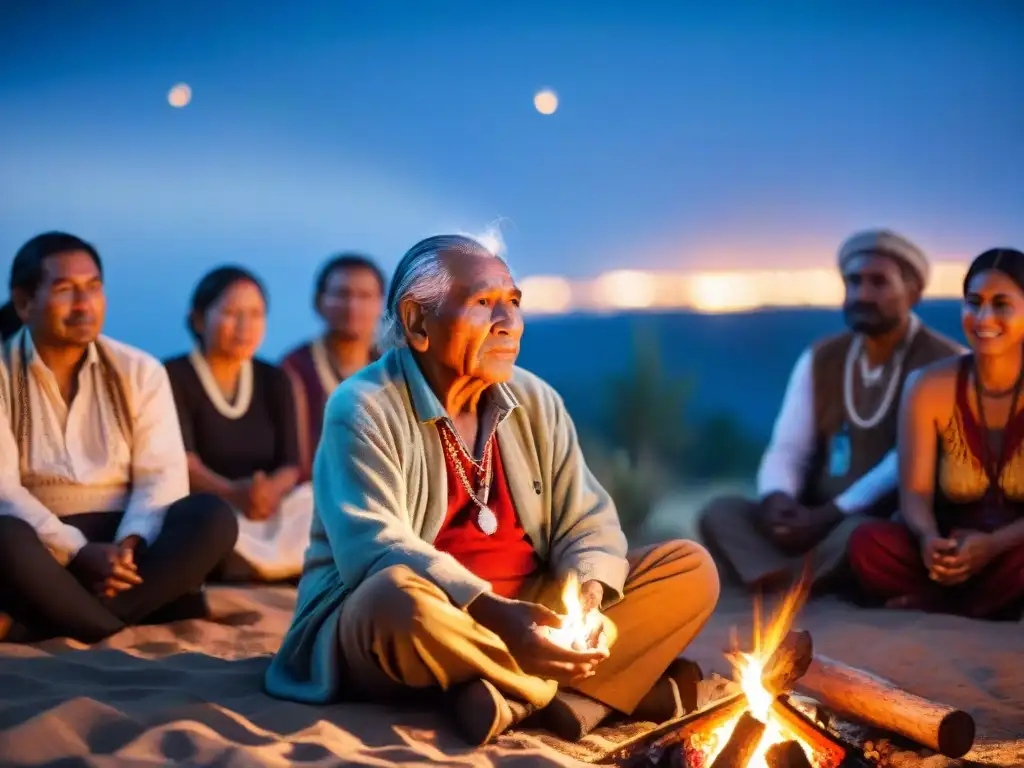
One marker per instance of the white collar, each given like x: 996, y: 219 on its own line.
x: 325, y: 372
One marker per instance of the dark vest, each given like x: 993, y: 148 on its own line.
x: 867, y: 447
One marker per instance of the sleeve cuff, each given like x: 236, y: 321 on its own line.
x: 460, y: 584
x: 845, y: 505
x: 146, y: 525
x: 610, y: 570
x: 71, y: 540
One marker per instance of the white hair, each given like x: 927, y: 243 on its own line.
x: 422, y: 277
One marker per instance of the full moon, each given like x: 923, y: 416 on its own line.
x: 546, y: 102
x: 179, y: 96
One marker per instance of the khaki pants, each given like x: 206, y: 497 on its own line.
x: 399, y: 631
x: 732, y: 529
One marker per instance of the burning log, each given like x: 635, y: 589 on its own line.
x: 742, y: 744
x: 786, y: 665
x: 787, y: 754
x: 798, y: 727
x: 642, y: 749
x: 945, y: 729
x: 789, y: 662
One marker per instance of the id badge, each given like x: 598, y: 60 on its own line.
x: 839, y: 453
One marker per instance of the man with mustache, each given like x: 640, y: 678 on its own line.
x: 452, y: 501
x: 831, y: 463
x: 97, y: 527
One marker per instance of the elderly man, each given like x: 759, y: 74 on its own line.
x: 93, y: 474
x: 831, y: 463
x: 452, y: 500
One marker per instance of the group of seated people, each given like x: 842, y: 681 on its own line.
x: 895, y: 470
x: 433, y: 498
x: 146, y: 479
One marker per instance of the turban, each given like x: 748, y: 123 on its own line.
x: 882, y: 242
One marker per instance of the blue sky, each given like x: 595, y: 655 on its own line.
x: 688, y: 135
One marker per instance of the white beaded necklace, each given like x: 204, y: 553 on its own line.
x: 243, y: 398
x: 853, y: 355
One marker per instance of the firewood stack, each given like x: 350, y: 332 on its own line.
x: 845, y: 690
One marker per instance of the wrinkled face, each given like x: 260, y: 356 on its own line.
x: 234, y: 326
x: 878, y: 297
x: 993, y: 313
x: 352, y: 303
x: 477, y: 330
x: 69, y: 306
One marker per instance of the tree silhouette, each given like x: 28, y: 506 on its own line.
x: 645, y: 424
x: 649, y: 445
x: 647, y: 406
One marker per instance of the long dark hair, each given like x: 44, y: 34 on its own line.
x: 212, y: 286
x: 27, y: 270
x: 1008, y: 261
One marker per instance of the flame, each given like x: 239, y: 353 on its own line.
x: 748, y: 669
x: 578, y: 629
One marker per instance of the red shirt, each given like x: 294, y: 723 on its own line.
x: 506, y: 558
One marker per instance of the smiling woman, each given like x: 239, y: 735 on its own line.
x: 962, y: 548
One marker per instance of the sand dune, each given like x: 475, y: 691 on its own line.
x: 189, y: 694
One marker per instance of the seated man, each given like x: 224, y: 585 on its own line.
x: 452, y: 500
x: 348, y: 296
x: 831, y: 463
x: 93, y: 473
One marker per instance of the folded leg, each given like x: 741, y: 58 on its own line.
x: 670, y: 593
x: 399, y: 631
x: 42, y: 595
x: 199, y: 531
x: 886, y: 561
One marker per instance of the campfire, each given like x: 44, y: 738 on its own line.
x: 764, y: 726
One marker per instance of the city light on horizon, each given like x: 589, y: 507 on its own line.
x: 708, y: 291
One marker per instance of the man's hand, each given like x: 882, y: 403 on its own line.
x: 938, y: 554
x: 592, y: 593
x: 778, y: 512
x: 797, y: 528
x: 592, y: 596
x: 126, y: 551
x: 519, y: 624
x: 99, y: 564
x: 975, y: 551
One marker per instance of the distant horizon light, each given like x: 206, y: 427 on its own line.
x: 708, y: 291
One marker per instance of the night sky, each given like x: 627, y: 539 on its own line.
x: 688, y: 135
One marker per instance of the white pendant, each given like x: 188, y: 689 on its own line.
x: 487, y: 521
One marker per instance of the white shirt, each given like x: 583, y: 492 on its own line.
x: 789, y: 453
x: 82, y: 448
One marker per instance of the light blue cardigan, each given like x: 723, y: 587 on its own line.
x: 381, y: 496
